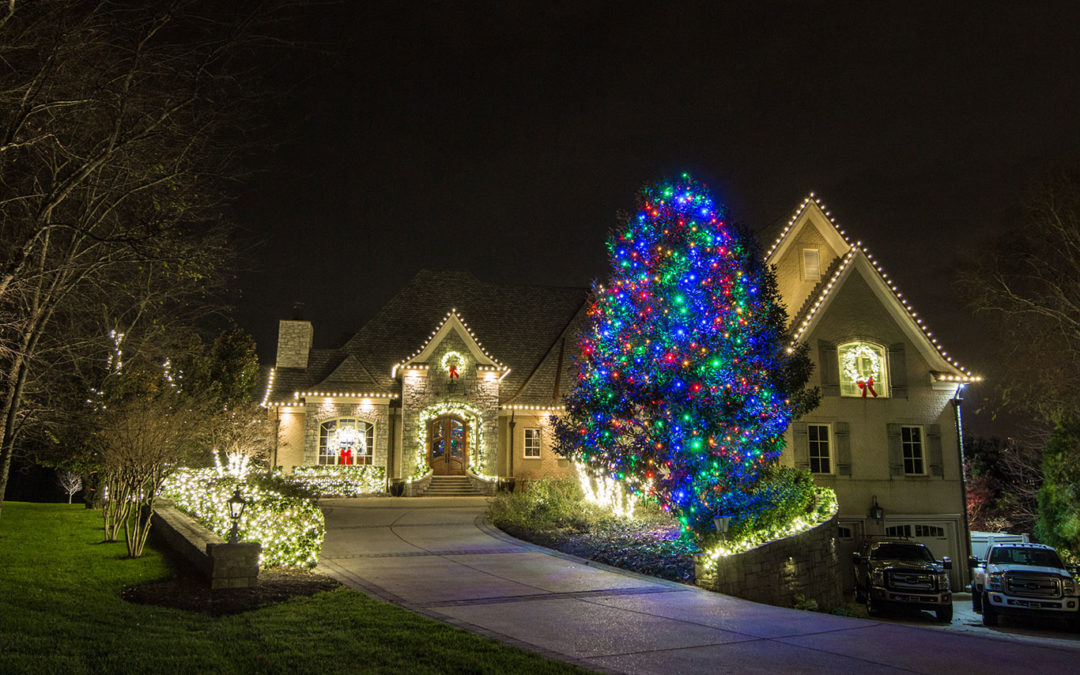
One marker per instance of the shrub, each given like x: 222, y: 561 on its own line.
x: 340, y: 481
x: 783, y: 495
x: 289, y: 527
x: 546, y: 504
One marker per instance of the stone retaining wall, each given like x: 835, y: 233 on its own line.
x: 806, y: 565
x: 224, y: 565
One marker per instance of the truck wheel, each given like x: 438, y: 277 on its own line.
x: 872, y: 608
x: 976, y: 601
x: 944, y: 614
x: 990, y: 615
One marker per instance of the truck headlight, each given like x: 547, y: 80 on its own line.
x: 1068, y: 586
x: 993, y: 581
x: 942, y: 581
x: 878, y: 578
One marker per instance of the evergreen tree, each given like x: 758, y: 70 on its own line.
x: 1059, y: 498
x: 687, y: 383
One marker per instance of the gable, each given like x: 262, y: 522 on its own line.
x: 857, y: 302
x: 811, y: 228
x: 453, y: 326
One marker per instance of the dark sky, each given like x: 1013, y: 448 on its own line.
x: 504, y: 138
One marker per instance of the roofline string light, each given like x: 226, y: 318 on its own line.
x: 848, y: 257
x: 269, y: 387
x: 452, y: 313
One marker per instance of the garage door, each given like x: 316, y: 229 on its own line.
x: 936, y: 536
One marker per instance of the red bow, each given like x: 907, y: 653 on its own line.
x: 346, y: 455
x: 453, y: 372
x: 869, y: 384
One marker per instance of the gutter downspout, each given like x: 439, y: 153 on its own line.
x: 512, y: 425
x: 965, y: 547
x: 392, y: 414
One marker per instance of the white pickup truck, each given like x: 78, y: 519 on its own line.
x: 1023, y: 579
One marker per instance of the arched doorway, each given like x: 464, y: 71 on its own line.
x: 448, y: 445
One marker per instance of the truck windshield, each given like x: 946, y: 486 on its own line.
x: 903, y: 552
x: 1025, y: 556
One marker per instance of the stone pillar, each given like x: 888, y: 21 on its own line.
x: 294, y: 343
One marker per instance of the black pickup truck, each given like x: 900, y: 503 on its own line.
x: 899, y: 572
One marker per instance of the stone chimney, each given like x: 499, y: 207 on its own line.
x: 293, y: 343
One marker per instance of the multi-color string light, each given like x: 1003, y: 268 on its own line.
x: 682, y: 394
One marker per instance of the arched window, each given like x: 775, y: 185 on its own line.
x: 863, y: 370
x: 346, y: 441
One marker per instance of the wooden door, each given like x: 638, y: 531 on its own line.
x: 448, y: 445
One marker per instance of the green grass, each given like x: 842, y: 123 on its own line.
x: 60, y: 613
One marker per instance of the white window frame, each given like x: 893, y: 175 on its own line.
x: 907, y: 446
x: 366, y: 427
x: 816, y: 254
x: 532, y: 443
x: 849, y: 387
x: 812, y: 444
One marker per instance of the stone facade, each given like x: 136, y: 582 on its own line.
x: 375, y: 413
x: 294, y: 343
x: 806, y: 565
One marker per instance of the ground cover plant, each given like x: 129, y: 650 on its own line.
x: 67, y: 616
x: 553, y: 513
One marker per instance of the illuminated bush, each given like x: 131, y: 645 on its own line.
x: 340, y: 481
x: 289, y: 527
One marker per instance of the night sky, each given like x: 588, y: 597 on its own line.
x: 505, y: 139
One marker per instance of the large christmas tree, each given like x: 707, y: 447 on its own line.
x: 686, y: 382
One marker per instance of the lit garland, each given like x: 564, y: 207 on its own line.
x: 341, y: 480
x: 452, y: 361
x: 825, y: 508
x: 851, y: 358
x: 290, y: 529
x: 472, y: 416
x: 682, y: 393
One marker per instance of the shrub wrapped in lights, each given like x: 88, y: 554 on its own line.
x: 341, y: 480
x: 289, y: 527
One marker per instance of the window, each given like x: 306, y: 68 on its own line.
x: 346, y: 441
x: 844, y: 532
x: 819, y: 448
x: 532, y: 444
x: 898, y: 531
x: 929, y: 531
x: 811, y: 264
x: 862, y: 370
x: 911, y: 442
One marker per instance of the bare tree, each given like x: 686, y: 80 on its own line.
x: 122, y: 127
x: 70, y: 482
x: 1028, y: 281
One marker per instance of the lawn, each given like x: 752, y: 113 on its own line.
x: 60, y: 612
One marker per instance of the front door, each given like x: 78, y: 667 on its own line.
x: 448, y: 445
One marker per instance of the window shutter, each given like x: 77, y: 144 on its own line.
x: 933, y: 447
x: 896, y: 455
x: 843, y: 448
x: 802, y: 445
x: 829, y: 369
x: 897, y: 371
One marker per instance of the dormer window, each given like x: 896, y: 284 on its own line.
x: 863, y: 370
x: 811, y: 264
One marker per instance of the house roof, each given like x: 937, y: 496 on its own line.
x: 522, y: 327
x: 857, y: 259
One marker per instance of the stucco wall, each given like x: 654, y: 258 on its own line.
x: 806, y: 565
x: 549, y: 463
x: 789, y: 273
x: 290, y: 433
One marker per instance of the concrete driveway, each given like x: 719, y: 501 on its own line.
x: 437, y: 557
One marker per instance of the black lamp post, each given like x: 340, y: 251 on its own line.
x: 236, y: 509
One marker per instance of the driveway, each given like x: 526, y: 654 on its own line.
x: 437, y: 557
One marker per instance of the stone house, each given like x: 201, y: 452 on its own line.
x: 460, y: 375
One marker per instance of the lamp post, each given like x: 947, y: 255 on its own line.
x: 721, y: 524
x: 236, y: 509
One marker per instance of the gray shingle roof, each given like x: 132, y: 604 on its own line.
x: 531, y: 329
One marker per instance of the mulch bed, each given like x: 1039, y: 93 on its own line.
x: 653, y: 551
x: 190, y: 591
